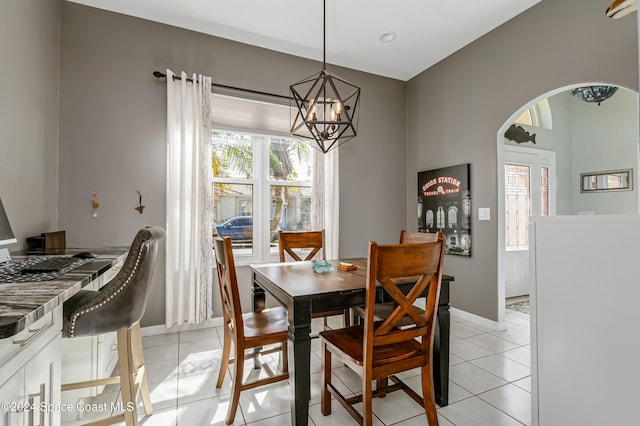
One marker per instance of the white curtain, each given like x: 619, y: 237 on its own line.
x: 189, y: 262
x: 326, y: 190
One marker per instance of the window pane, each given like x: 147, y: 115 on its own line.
x: 232, y: 155
x: 290, y: 210
x: 525, y: 118
x: 233, y: 215
x: 517, y: 207
x: 289, y: 160
x: 545, y: 190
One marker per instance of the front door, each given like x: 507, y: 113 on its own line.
x: 530, y: 181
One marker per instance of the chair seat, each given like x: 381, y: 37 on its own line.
x: 349, y: 341
x: 271, y: 321
x: 382, y: 311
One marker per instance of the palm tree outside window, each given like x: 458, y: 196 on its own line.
x: 266, y: 178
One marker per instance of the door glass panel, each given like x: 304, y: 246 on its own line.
x: 517, y: 206
x: 544, y: 175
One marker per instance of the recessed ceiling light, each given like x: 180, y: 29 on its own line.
x: 388, y: 37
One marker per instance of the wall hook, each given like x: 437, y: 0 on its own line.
x: 140, y: 207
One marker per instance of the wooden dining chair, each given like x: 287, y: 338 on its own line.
x: 246, y: 331
x: 383, y: 310
x: 378, y: 350
x: 419, y: 237
x: 291, y: 242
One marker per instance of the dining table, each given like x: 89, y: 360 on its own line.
x: 303, y: 292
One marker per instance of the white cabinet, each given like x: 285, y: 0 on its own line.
x: 42, y: 386
x: 584, y: 320
x: 30, y: 376
x: 12, y: 393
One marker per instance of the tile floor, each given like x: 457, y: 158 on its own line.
x: 490, y: 383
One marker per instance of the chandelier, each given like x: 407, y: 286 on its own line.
x: 326, y: 105
x: 594, y: 94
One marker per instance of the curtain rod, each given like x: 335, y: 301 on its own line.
x: 158, y: 74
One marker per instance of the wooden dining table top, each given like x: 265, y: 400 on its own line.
x: 298, y: 280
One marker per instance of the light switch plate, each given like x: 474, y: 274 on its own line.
x: 484, y: 213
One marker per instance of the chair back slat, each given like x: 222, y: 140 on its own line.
x: 403, y: 305
x: 228, y: 284
x: 388, y: 265
x: 418, y: 237
x: 289, y: 241
x: 401, y: 335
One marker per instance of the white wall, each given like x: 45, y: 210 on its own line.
x: 557, y: 139
x: 604, y: 138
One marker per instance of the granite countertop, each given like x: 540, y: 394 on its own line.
x: 22, y: 304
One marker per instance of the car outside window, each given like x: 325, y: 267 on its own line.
x: 262, y: 183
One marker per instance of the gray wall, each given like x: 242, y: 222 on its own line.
x: 29, y: 47
x: 456, y: 107
x: 112, y: 120
x: 113, y: 129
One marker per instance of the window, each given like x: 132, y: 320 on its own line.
x: 517, y: 206
x: 525, y: 118
x: 539, y: 115
x: 262, y: 183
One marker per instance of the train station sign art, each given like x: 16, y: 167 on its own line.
x: 444, y: 204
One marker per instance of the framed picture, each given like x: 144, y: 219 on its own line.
x: 610, y: 180
x: 444, y: 204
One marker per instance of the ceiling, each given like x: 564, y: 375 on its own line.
x: 427, y: 31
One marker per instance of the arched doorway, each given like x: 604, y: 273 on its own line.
x: 585, y: 137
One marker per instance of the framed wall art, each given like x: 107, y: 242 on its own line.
x: 610, y: 180
x: 444, y: 204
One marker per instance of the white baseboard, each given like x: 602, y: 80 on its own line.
x: 153, y: 330
x: 477, y: 319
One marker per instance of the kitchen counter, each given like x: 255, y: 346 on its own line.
x: 22, y: 304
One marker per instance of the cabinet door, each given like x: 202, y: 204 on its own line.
x: 42, y: 385
x: 12, y: 392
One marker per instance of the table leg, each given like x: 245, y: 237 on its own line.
x: 259, y: 303
x: 441, y: 357
x: 300, y: 361
x: 259, y: 296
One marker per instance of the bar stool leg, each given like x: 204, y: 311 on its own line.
x: 141, y: 369
x: 127, y: 386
